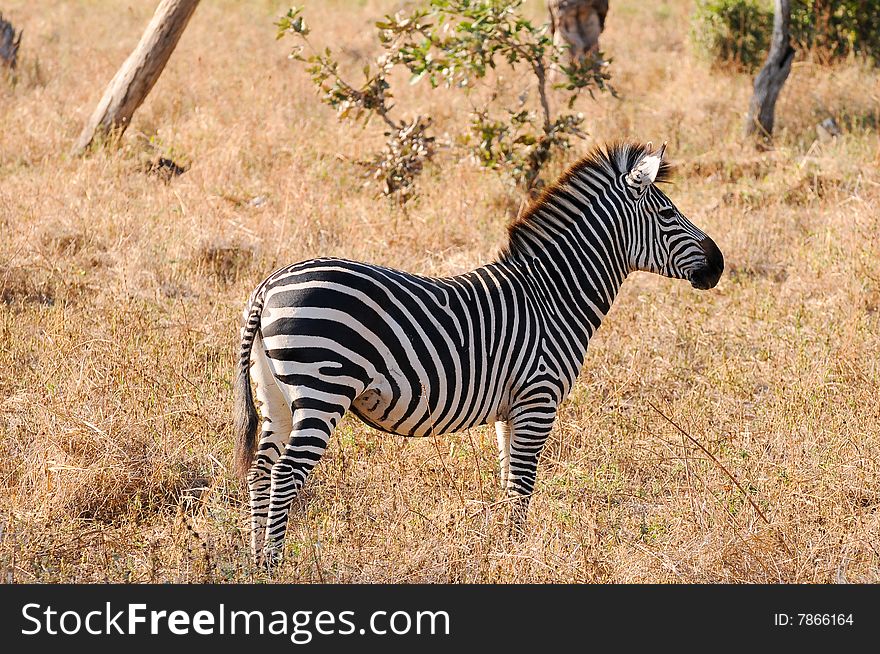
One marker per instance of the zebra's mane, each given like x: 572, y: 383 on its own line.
x: 612, y: 159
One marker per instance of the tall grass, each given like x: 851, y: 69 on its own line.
x: 120, y: 296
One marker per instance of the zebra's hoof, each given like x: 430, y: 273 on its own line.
x: 271, y: 558
x: 267, y: 560
x: 516, y: 531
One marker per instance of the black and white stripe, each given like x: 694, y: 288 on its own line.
x: 419, y: 356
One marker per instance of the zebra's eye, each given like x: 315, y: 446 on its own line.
x: 668, y: 213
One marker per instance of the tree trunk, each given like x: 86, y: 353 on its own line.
x: 8, y: 43
x: 577, y: 24
x: 769, y: 81
x: 131, y: 84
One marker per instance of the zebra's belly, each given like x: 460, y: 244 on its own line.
x: 408, y: 412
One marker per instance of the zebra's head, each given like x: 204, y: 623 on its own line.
x: 661, y: 239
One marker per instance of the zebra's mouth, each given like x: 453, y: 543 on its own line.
x: 703, y: 279
x: 707, y: 275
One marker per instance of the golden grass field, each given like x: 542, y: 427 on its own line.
x: 120, y: 300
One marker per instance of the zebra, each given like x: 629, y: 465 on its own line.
x: 422, y: 356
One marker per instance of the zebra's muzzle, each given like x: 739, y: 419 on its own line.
x: 707, y: 275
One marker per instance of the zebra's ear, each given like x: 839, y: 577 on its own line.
x: 644, y: 172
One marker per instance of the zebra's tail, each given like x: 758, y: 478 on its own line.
x: 245, y: 421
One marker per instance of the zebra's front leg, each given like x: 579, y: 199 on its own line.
x: 529, y: 429
x: 305, y: 447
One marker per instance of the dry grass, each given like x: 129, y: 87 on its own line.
x: 120, y: 295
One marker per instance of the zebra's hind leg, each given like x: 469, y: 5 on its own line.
x: 275, y: 430
x: 314, y: 420
x: 529, y: 428
x: 502, y: 431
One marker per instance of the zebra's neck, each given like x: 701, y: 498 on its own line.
x: 573, y: 255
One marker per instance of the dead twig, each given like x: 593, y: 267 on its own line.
x: 726, y: 472
x: 715, y: 460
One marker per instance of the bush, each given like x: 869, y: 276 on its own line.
x: 836, y: 29
x: 733, y: 31
x: 738, y: 32
x: 455, y: 44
